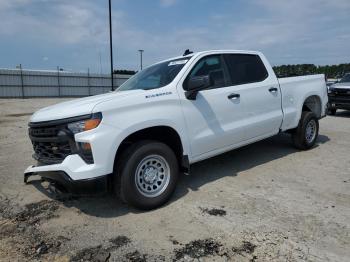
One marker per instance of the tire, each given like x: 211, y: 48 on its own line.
x: 148, y: 174
x: 332, y: 111
x: 303, y: 137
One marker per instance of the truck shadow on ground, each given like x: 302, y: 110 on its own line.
x: 202, y: 173
x: 342, y: 113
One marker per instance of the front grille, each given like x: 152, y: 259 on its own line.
x: 51, y: 153
x: 342, y: 91
x: 53, y: 141
x: 43, y: 132
x: 51, y: 144
x: 339, y: 98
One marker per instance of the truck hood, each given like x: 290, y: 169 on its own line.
x: 77, y: 107
x: 345, y: 85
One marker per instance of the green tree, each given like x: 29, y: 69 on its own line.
x: 331, y: 71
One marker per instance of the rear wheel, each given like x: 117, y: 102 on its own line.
x: 148, y: 175
x: 332, y: 111
x: 305, y: 135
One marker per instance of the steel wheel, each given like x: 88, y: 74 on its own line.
x: 310, y: 131
x: 152, y: 176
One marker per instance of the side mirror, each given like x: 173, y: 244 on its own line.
x: 197, y: 83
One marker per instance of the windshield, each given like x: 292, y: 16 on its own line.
x: 345, y: 79
x: 155, y: 76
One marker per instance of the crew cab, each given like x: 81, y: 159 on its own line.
x: 139, y: 138
x: 339, y: 95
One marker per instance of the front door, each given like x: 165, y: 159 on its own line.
x: 214, y: 118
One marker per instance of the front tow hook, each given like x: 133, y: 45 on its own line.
x: 27, y: 175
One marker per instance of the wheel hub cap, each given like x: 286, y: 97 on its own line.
x: 310, y: 133
x: 152, y: 176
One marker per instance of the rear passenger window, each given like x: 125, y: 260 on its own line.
x: 244, y: 69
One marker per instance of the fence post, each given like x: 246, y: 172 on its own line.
x: 22, y: 83
x: 58, y: 81
x: 89, y: 82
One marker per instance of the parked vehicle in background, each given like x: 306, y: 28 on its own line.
x: 339, y: 95
x: 331, y: 81
x: 169, y: 116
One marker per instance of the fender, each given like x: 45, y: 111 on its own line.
x: 123, y: 134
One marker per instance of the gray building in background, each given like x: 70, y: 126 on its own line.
x: 17, y: 83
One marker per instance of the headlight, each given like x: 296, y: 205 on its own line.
x: 85, y: 125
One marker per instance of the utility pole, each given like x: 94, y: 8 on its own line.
x: 58, y: 81
x: 141, y: 51
x: 111, y: 43
x: 99, y: 53
x: 22, y: 83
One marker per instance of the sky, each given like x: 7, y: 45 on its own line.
x: 44, y: 34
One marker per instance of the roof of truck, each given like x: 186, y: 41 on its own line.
x: 211, y: 52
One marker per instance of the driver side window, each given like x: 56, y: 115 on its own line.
x: 210, y: 66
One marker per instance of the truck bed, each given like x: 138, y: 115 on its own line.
x: 295, y: 90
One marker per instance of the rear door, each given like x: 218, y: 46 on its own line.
x: 259, y: 93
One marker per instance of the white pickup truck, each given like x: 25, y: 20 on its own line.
x: 168, y: 116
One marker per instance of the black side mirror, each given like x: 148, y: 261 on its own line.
x: 197, y: 83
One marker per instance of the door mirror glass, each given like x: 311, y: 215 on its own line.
x: 198, y: 83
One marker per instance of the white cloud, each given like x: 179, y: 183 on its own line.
x: 294, y: 32
x: 313, y: 31
x: 308, y: 31
x: 65, y: 22
x: 167, y: 3
x: 8, y: 4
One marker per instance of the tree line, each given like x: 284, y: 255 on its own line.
x: 124, y: 72
x: 331, y: 71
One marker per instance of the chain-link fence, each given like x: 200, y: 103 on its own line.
x: 18, y: 83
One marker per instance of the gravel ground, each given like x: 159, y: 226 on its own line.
x: 263, y: 202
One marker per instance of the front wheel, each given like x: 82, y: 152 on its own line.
x: 305, y: 135
x: 148, y: 175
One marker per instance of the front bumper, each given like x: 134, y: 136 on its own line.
x: 339, y: 103
x: 339, y: 99
x: 61, y: 180
x: 104, y: 141
x: 74, y: 166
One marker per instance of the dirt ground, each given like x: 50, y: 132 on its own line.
x: 263, y: 202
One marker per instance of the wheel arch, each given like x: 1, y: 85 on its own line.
x: 162, y: 133
x: 313, y: 104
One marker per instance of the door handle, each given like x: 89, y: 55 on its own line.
x: 273, y: 89
x: 234, y: 96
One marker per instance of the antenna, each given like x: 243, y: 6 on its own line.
x: 187, y: 52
